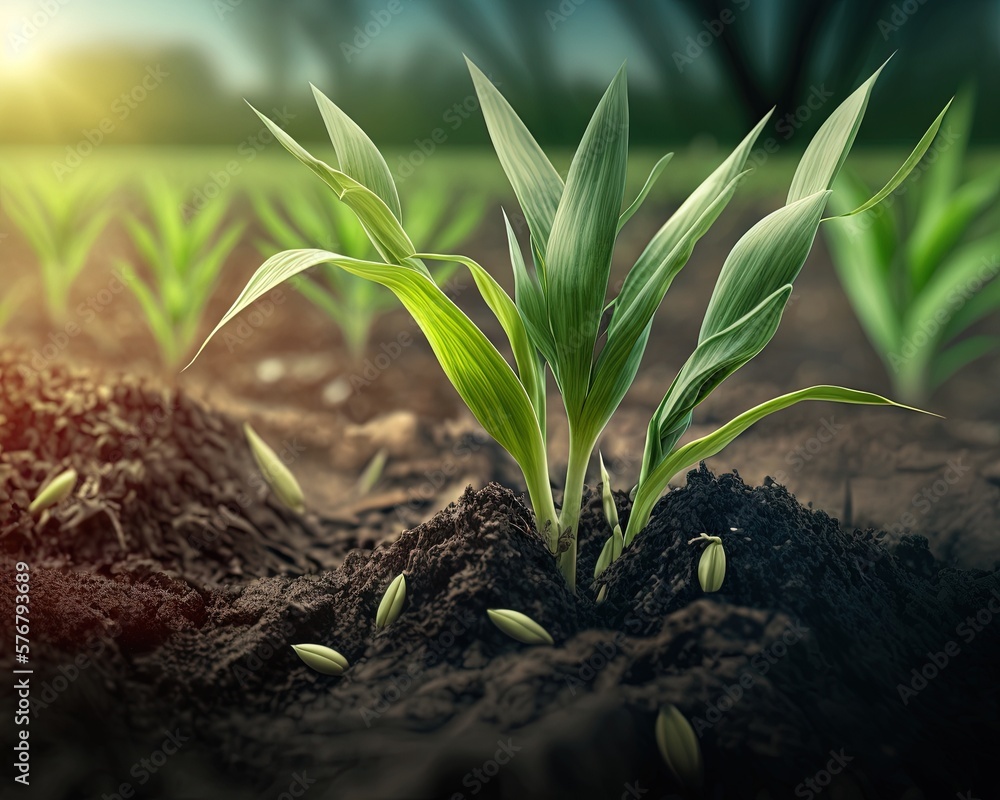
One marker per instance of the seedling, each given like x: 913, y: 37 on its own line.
x: 184, y: 258
x: 921, y: 272
x: 61, y: 221
x: 319, y: 218
x: 55, y: 491
x: 554, y: 321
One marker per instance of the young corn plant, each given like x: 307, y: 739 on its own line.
x: 553, y: 322
x: 320, y: 218
x: 61, y: 221
x: 921, y: 272
x: 184, y: 258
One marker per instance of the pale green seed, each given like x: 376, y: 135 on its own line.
x: 519, y: 626
x: 712, y: 566
x: 322, y: 659
x: 679, y: 747
x: 391, y: 605
x: 57, y: 490
x: 610, y: 510
x: 277, y: 475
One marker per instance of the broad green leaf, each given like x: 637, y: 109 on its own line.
x: 714, y: 360
x: 530, y: 299
x: 535, y: 181
x: 631, y: 322
x: 375, y: 216
x: 484, y: 380
x: 359, y: 157
x: 654, y: 175
x: 664, y: 244
x: 510, y: 319
x: 767, y: 257
x: 578, y: 258
x: 829, y: 148
x: 652, y: 487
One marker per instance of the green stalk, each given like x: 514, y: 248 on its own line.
x: 576, y: 473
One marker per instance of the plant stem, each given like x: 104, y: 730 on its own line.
x: 576, y: 472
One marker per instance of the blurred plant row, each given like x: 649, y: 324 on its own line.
x: 177, y: 245
x: 920, y: 270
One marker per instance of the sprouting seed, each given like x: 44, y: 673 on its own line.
x: 56, y: 491
x: 277, y: 475
x: 610, y: 510
x: 519, y: 626
x: 392, y: 602
x: 712, y: 565
x: 322, y: 659
x: 602, y: 595
x: 611, y: 552
x: 679, y: 747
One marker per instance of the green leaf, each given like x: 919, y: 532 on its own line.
x: 578, y: 258
x: 767, y: 257
x: 607, y: 496
x: 654, y: 175
x: 535, y: 181
x: 941, y: 181
x: 655, y: 483
x: 519, y: 626
x: 829, y: 148
x: 475, y: 368
x: 530, y: 300
x: 381, y: 225
x: 392, y: 602
x: 905, y: 169
x: 714, y: 360
x: 359, y: 158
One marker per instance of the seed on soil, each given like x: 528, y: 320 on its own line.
x: 392, y: 603
x: 277, y: 475
x: 519, y: 626
x: 57, y: 490
x: 712, y: 565
x: 679, y: 747
x: 322, y: 659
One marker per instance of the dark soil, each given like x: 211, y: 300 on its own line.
x: 820, y: 626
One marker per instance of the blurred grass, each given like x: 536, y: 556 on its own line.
x: 231, y: 171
